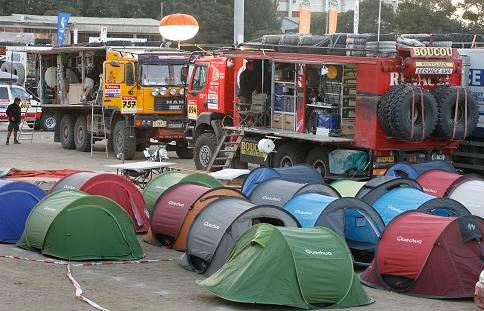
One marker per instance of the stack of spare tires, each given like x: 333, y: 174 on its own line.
x: 411, y: 113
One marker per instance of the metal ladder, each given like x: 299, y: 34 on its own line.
x: 27, y: 127
x: 97, y: 133
x: 226, y: 149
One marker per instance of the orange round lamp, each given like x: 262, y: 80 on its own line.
x: 179, y: 27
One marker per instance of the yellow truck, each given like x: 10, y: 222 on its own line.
x: 128, y: 95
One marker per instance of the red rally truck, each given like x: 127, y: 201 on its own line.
x: 341, y: 114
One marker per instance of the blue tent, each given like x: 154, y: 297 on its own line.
x: 16, y: 201
x: 399, y: 200
x: 415, y: 170
x: 301, y: 173
x: 357, y: 222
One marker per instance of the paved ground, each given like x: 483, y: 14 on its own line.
x: 154, y: 286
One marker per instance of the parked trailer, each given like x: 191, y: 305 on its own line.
x: 373, y: 99
x: 138, y: 92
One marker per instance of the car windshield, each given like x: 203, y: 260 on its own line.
x: 162, y: 74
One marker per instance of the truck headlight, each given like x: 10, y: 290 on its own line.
x: 163, y: 91
x: 173, y: 92
x: 181, y: 91
x: 155, y: 92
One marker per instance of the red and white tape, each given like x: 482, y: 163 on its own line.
x: 79, y: 292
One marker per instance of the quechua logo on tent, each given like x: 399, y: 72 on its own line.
x: 390, y: 207
x: 266, y: 198
x: 321, y: 253
x: 302, y: 212
x: 178, y: 204
x: 409, y: 240
x: 212, y: 226
x: 429, y: 190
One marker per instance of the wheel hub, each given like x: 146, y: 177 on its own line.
x: 50, y: 122
x: 286, y: 161
x: 204, y: 155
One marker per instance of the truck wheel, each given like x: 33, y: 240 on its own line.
x: 205, y: 147
x: 383, y: 109
x: 47, y: 122
x: 67, y: 132
x: 446, y: 97
x: 82, y: 137
x: 288, y: 154
x: 122, y: 142
x: 319, y: 160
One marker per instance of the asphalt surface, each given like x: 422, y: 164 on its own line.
x: 152, y: 286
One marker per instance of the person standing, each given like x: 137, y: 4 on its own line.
x: 14, y: 113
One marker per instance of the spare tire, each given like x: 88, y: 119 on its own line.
x: 411, y: 113
x: 384, y: 111
x: 19, y: 71
x: 452, y: 116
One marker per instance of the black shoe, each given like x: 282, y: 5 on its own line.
x: 16, y: 142
x: 7, y: 143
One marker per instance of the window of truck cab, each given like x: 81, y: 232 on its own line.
x: 162, y: 74
x: 20, y: 93
x: 199, y: 80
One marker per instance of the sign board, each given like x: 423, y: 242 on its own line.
x: 249, y: 152
x: 103, y: 36
x: 433, y: 52
x: 62, y: 22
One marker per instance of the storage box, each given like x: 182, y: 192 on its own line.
x: 75, y: 93
x: 327, y: 120
x: 348, y: 126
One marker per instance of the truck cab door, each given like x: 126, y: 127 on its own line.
x: 119, y: 86
x: 197, y: 91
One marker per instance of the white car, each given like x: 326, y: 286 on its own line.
x: 30, y: 105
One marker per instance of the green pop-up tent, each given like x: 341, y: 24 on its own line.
x: 348, y: 188
x: 303, y: 268
x: 158, y: 185
x: 72, y: 225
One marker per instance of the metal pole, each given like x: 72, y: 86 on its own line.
x: 379, y: 20
x: 238, y: 21
x: 356, y: 17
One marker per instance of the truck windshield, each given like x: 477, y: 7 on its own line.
x: 162, y: 74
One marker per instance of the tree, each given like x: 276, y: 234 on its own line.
x: 432, y: 16
x: 473, y: 14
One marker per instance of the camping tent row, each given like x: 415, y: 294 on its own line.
x: 17, y: 199
x: 466, y: 189
x: 428, y: 255
x: 72, y: 225
x: 112, y: 186
x: 302, y: 268
x: 160, y: 184
x: 413, y: 171
x: 361, y: 221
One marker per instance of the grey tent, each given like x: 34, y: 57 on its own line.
x: 278, y: 192
x: 214, y: 231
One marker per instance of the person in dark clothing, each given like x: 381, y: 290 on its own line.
x: 14, y: 113
x: 250, y: 80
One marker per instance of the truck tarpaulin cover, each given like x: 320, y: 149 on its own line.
x: 17, y: 199
x: 72, y: 225
x: 466, y: 189
x: 115, y: 187
x: 282, y: 266
x: 413, y: 171
x: 428, y: 255
x: 301, y: 173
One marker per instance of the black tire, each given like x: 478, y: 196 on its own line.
x: 400, y: 113
x: 205, y: 147
x: 384, y: 111
x: 288, y: 154
x: 47, y: 122
x: 19, y: 71
x: 122, y: 142
x: 82, y: 137
x: 446, y: 97
x: 184, y: 152
x: 318, y: 158
x: 66, y: 131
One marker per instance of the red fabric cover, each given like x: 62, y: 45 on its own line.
x: 123, y: 192
x: 437, y: 182
x: 16, y: 173
x: 407, y: 242
x: 172, y: 207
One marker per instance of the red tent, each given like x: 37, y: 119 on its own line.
x: 114, y: 187
x: 427, y: 255
x: 439, y: 183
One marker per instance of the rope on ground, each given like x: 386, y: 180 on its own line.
x: 79, y: 294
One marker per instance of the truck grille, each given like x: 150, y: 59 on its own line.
x: 169, y: 104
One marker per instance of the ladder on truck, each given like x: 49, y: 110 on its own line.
x: 226, y: 149
x: 98, y: 129
x: 27, y: 126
